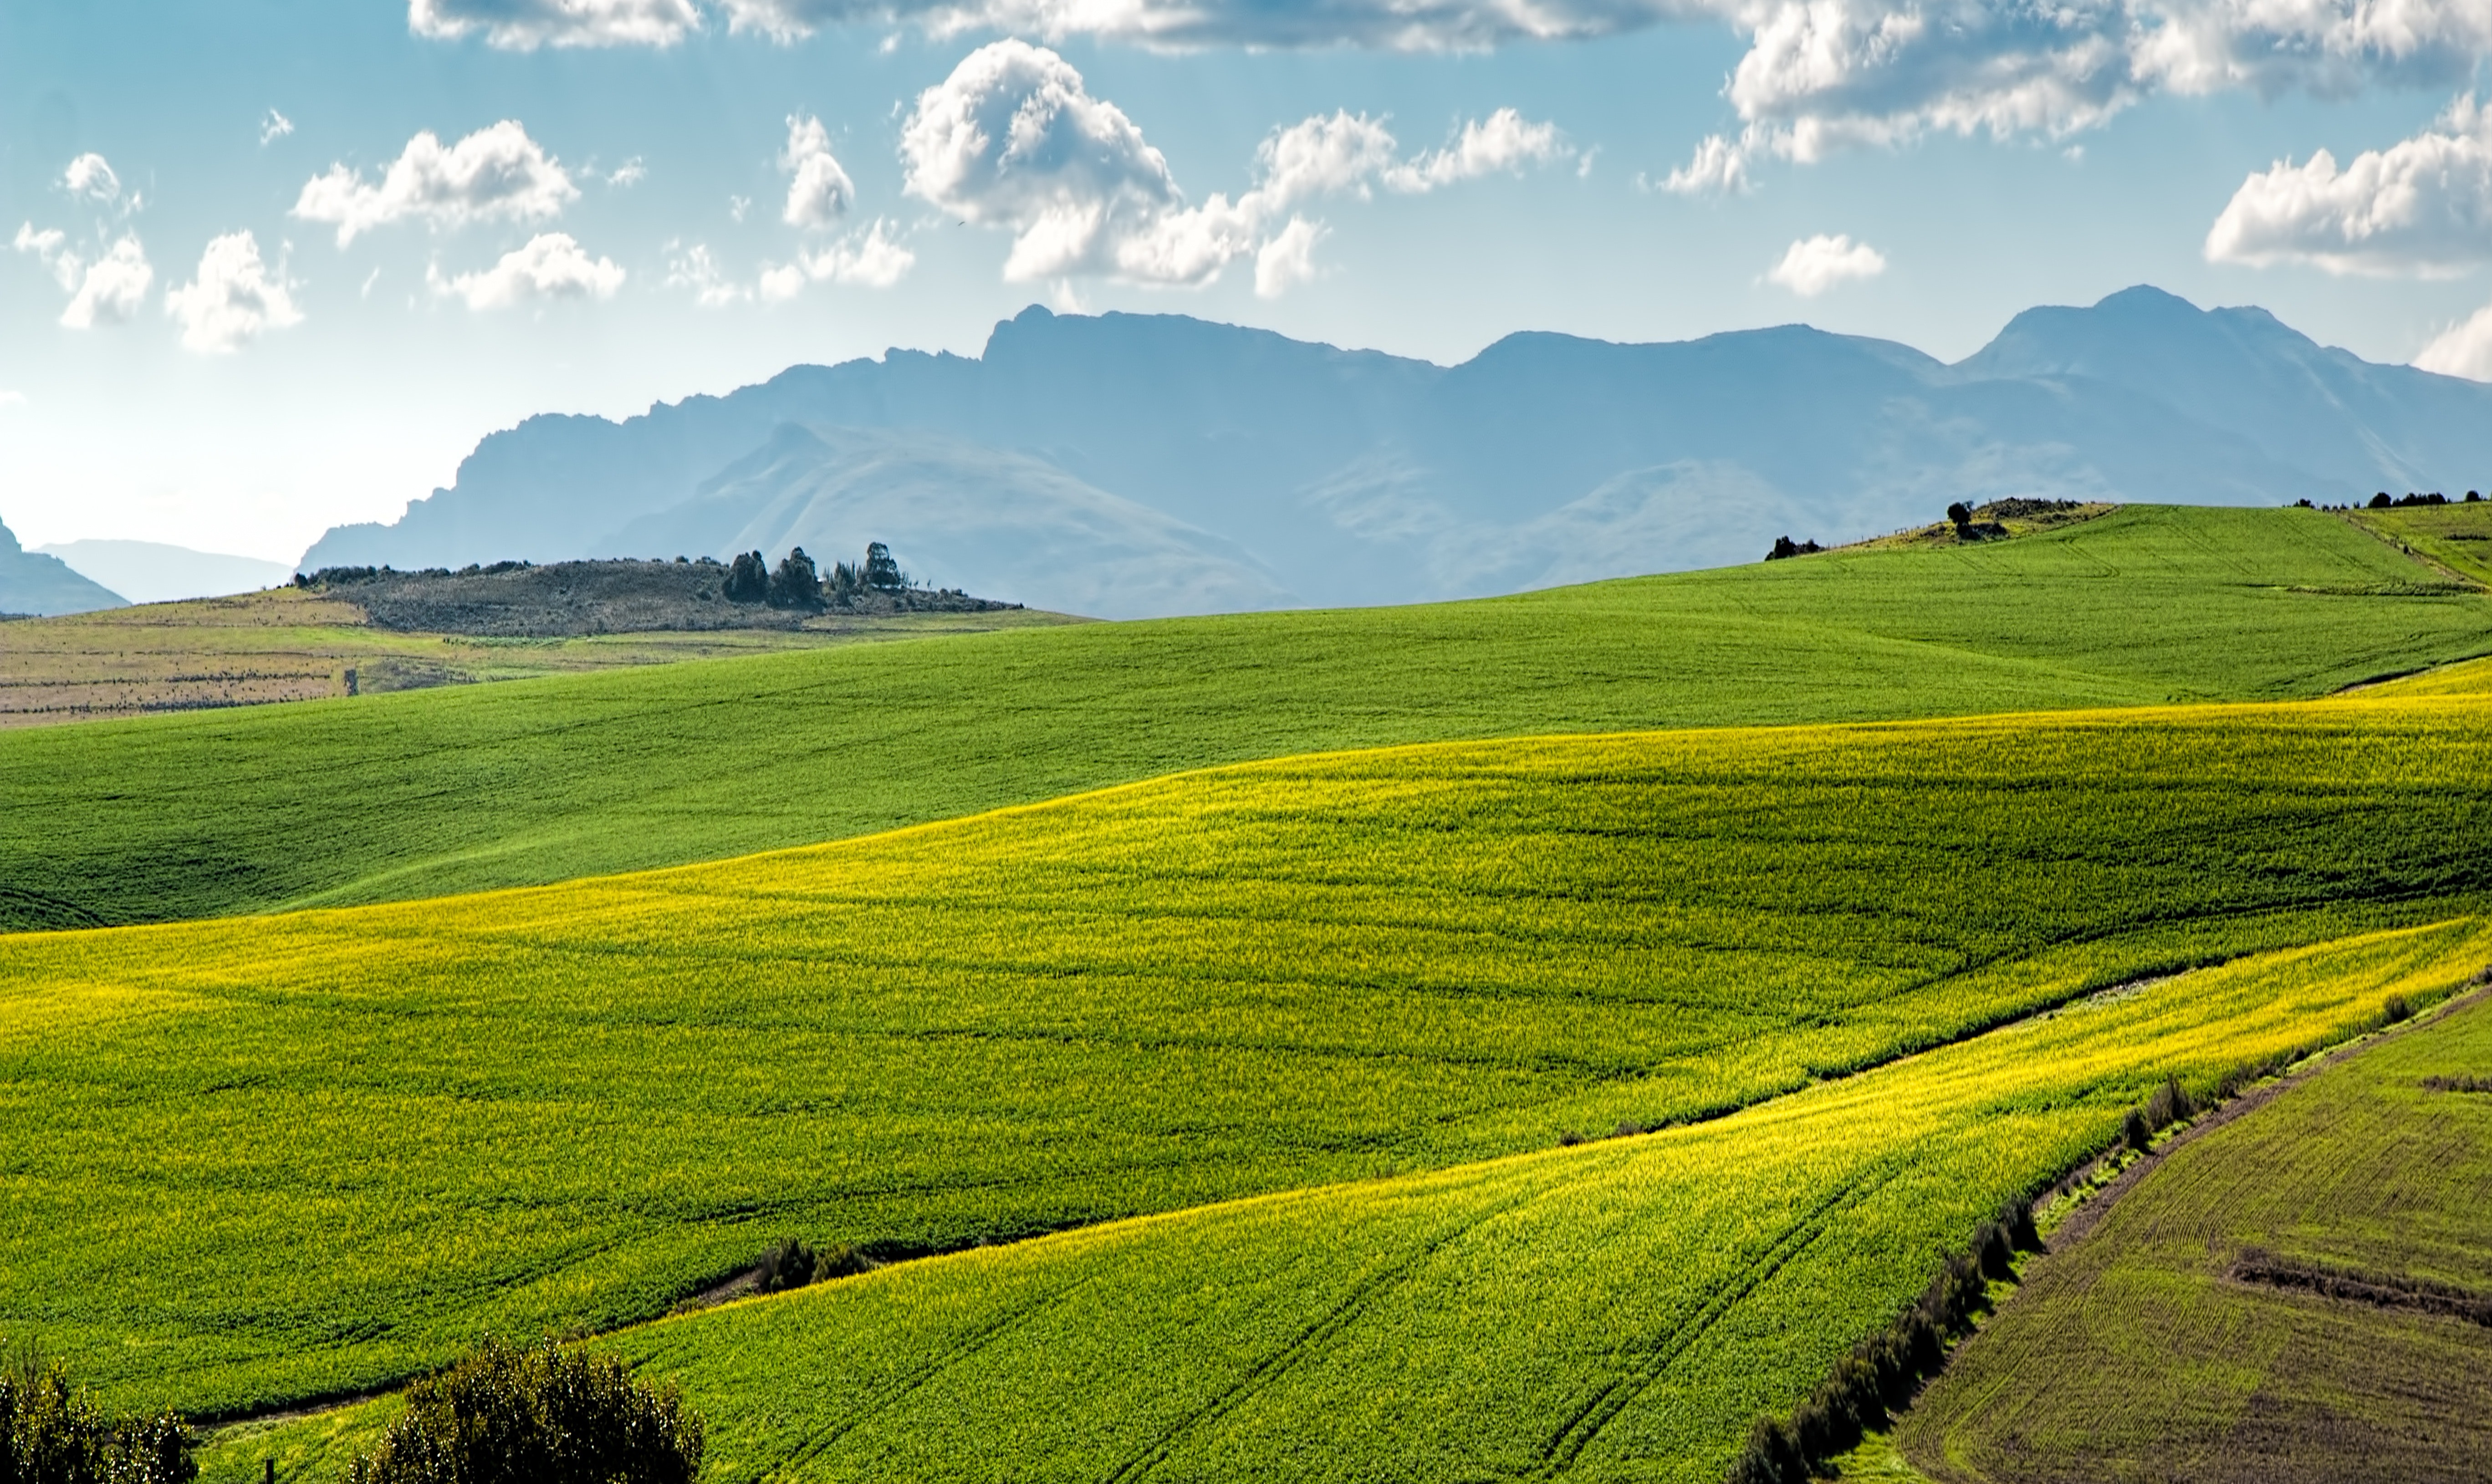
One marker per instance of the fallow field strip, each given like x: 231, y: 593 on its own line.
x: 264, y: 1159
x: 404, y: 796
x: 2192, y: 1336
x: 1616, y: 1311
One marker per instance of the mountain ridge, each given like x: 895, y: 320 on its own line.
x: 1265, y: 471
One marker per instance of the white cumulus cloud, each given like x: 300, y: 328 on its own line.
x: 1289, y: 258
x: 107, y: 289
x: 525, y: 26
x: 496, y: 173
x: 1503, y: 143
x: 2422, y: 205
x: 89, y: 177
x: 113, y: 287
x: 2463, y: 349
x: 1815, y: 264
x: 551, y: 265
x: 1013, y: 140
x: 872, y: 258
x: 234, y: 300
x: 819, y: 192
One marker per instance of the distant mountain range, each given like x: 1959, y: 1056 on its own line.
x: 31, y: 583
x: 1125, y: 466
x: 153, y: 571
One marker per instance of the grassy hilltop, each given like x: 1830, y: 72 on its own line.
x: 410, y: 796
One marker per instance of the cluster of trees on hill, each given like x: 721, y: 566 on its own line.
x: 798, y: 583
x: 2385, y: 501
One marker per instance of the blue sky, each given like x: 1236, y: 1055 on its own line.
x: 625, y: 200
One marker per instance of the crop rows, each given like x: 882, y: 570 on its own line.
x: 1619, y: 1310
x: 257, y: 1159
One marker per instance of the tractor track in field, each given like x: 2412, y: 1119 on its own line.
x: 1563, y: 1448
x: 1309, y: 1341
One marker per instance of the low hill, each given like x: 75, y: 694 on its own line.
x: 407, y: 795
x: 33, y: 583
x: 1242, y: 469
x: 2304, y: 1293
x: 389, y: 1128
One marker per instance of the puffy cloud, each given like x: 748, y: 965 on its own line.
x: 112, y: 289
x: 277, y: 126
x: 869, y: 259
x: 1823, y: 74
x: 872, y: 261
x: 1013, y: 140
x: 1815, y: 264
x: 89, y: 177
x: 2464, y: 349
x: 496, y: 173
x: 550, y: 266
x: 234, y: 300
x: 821, y: 191
x: 1503, y: 143
x: 1719, y: 168
x: 2422, y: 205
x: 1289, y: 258
x: 107, y: 290
x: 525, y: 26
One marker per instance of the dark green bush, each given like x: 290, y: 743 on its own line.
x: 544, y: 1413
x: 796, y: 584
x: 51, y: 1433
x: 2135, y: 1132
x: 748, y: 578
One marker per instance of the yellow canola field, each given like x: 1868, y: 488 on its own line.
x: 257, y: 1160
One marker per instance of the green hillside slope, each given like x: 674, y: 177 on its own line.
x: 401, y: 796
x: 1616, y: 1311
x: 2186, y: 1339
x: 252, y: 1160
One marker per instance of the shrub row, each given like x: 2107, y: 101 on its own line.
x: 53, y: 1433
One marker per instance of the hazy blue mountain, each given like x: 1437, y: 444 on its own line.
x: 152, y: 572
x: 31, y: 583
x: 1168, y: 464
x: 987, y: 521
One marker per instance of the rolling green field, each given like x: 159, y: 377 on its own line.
x: 254, y: 1160
x: 1619, y: 1310
x: 289, y: 645
x: 2141, y: 1352
x: 393, y: 797
x: 2458, y: 537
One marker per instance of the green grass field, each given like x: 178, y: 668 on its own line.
x: 2458, y: 537
x: 2137, y: 1355
x: 1616, y: 1311
x: 288, y: 644
x: 254, y: 1160
x: 391, y: 797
